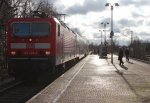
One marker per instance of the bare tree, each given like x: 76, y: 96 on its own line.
x: 10, y: 8
x: 46, y: 7
x: 5, y: 8
x: 26, y: 8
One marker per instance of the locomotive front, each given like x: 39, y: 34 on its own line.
x: 29, y: 45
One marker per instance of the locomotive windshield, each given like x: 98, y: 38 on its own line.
x: 40, y: 29
x: 21, y: 29
x: 30, y: 29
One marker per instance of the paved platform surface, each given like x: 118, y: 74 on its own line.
x: 95, y: 80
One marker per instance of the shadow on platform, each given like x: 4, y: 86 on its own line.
x: 124, y: 67
x: 103, y: 57
x: 130, y: 62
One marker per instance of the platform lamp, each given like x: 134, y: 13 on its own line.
x: 105, y: 23
x: 112, y: 32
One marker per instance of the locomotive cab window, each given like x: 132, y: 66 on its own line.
x: 20, y: 29
x: 40, y: 29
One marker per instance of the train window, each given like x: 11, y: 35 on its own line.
x: 40, y: 29
x: 20, y: 29
x: 58, y: 30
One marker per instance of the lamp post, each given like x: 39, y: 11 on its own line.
x: 105, y: 23
x: 112, y: 32
x: 131, y: 37
x: 105, y: 43
x: 101, y: 45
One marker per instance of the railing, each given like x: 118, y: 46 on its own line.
x: 148, y: 58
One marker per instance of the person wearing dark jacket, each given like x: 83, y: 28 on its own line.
x: 120, y: 56
x: 127, y: 54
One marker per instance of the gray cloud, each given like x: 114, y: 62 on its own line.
x: 98, y: 25
x: 136, y: 15
x: 126, y: 22
x: 94, y: 25
x: 96, y: 35
x: 126, y: 2
x: 123, y: 23
x: 98, y: 5
x: 140, y: 22
x: 143, y: 34
x: 52, y: 1
x: 88, y: 6
x: 147, y: 23
x: 135, y: 2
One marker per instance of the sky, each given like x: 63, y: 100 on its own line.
x: 130, y: 17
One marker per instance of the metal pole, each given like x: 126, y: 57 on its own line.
x: 101, y: 44
x: 105, y: 23
x: 112, y: 34
x: 131, y: 37
x: 105, y: 33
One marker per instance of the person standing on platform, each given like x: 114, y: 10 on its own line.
x: 120, y: 56
x: 127, y: 54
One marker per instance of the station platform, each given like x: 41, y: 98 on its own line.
x: 96, y: 80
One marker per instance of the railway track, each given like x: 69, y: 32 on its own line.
x: 6, y: 87
x: 20, y: 92
x: 17, y: 93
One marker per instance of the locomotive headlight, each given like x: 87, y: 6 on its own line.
x: 30, y: 39
x: 13, y: 53
x: 47, y: 52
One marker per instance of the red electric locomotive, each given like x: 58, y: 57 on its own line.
x: 35, y: 45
